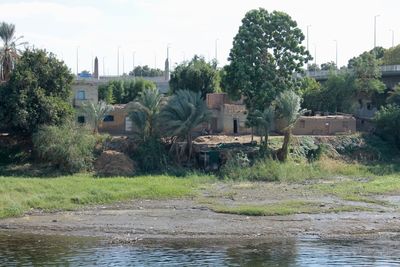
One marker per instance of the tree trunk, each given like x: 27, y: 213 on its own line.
x: 283, y: 152
x: 189, y: 144
x: 252, y: 134
x: 266, y: 140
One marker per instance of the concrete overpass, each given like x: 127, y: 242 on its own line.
x: 390, y: 74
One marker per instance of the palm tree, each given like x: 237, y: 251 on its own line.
x: 183, y: 112
x: 9, y: 52
x: 96, y: 112
x: 263, y: 122
x: 144, y: 113
x: 288, y: 110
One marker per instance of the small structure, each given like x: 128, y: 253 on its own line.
x: 227, y: 116
x: 325, y: 125
x: 117, y: 122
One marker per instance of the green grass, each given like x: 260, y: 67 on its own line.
x: 283, y: 208
x: 363, y: 189
x: 19, y: 195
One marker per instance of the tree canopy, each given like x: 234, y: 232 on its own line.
x: 266, y: 52
x: 197, y: 75
x: 9, y: 52
x: 146, y: 71
x: 122, y: 92
x: 392, y: 56
x: 38, y: 92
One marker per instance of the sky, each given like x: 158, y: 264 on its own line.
x: 141, y: 30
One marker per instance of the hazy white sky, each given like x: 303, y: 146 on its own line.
x: 191, y: 27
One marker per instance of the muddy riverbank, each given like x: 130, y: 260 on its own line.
x: 147, y: 221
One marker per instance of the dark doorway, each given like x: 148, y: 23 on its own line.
x: 235, y: 126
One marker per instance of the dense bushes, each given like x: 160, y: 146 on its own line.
x: 387, y: 122
x: 67, y: 147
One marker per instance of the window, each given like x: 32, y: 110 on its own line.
x: 302, y: 124
x: 80, y: 95
x: 81, y: 119
x: 108, y: 118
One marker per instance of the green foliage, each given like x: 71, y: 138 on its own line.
x: 19, y: 195
x: 182, y: 113
x: 377, y: 52
x: 196, y: 75
x: 96, y: 112
x: 37, y: 93
x: 329, y: 66
x: 367, y: 74
x: 394, y: 96
x: 392, y: 56
x: 288, y: 109
x: 263, y: 121
x: 146, y: 71
x: 151, y: 155
x: 266, y: 52
x: 387, y: 121
x: 144, y: 114
x: 9, y: 52
x: 68, y: 147
x: 122, y: 92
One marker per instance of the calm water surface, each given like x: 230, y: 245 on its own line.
x: 35, y: 250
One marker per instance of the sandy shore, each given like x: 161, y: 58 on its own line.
x: 148, y: 221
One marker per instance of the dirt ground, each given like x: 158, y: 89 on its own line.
x: 142, y: 221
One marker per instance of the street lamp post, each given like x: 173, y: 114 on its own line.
x: 77, y: 61
x: 216, y: 51
x: 315, y: 54
x: 104, y: 68
x: 308, y: 26
x: 392, y: 37
x: 336, y: 42
x: 133, y: 63
x: 118, y: 60
x: 375, y: 29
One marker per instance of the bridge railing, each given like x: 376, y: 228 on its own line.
x: 323, y: 74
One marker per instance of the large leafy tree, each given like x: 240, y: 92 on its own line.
x: 391, y: 56
x: 266, y: 52
x: 367, y: 75
x: 9, y: 52
x: 196, y: 75
x: 183, y: 112
x: 288, y: 111
x: 38, y: 92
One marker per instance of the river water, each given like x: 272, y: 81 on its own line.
x: 39, y: 250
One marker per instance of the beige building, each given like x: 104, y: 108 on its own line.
x: 229, y: 117
x: 84, y: 91
x: 325, y: 125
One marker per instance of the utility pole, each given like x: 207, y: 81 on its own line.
x: 77, y: 61
x: 375, y: 29
x: 123, y: 63
x: 336, y: 53
x: 118, y: 61
x: 216, y: 51
x: 133, y: 63
x: 104, y: 68
x: 315, y: 54
x: 392, y: 37
x: 308, y: 26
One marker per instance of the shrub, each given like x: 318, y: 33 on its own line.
x: 387, y: 121
x: 151, y: 155
x: 67, y: 147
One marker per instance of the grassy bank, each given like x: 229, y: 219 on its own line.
x: 19, y: 195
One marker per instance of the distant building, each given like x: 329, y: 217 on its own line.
x: 229, y: 117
